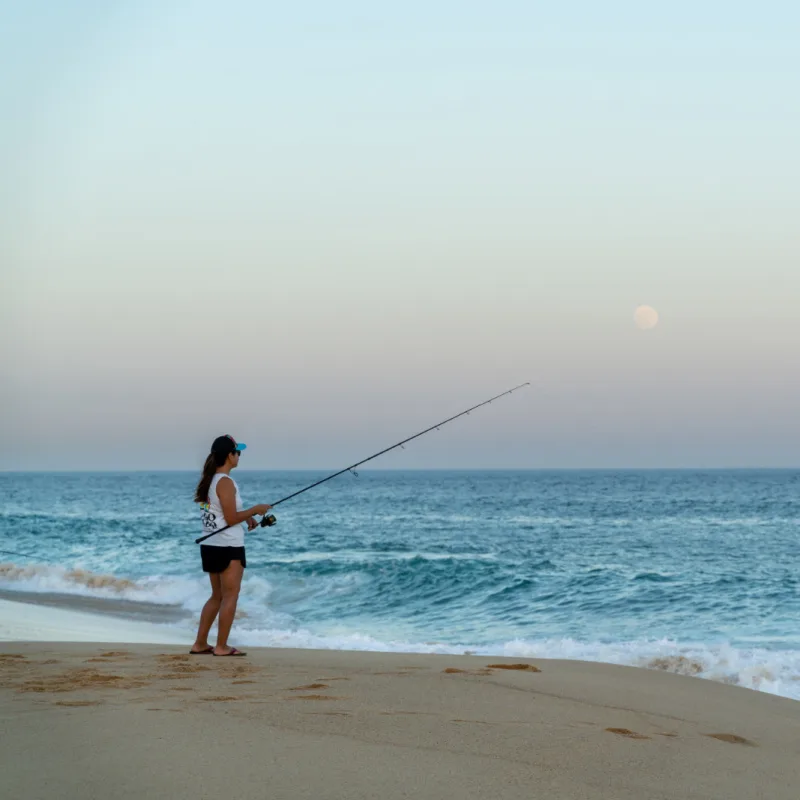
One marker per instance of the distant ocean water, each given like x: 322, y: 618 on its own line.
x: 696, y: 572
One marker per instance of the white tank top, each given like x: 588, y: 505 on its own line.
x: 214, y: 519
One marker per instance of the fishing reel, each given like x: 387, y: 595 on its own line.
x: 268, y: 521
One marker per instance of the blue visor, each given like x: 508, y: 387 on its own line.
x: 241, y: 446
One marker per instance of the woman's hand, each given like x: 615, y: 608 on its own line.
x: 261, y: 509
x: 251, y: 523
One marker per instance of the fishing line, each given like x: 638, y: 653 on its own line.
x: 269, y: 519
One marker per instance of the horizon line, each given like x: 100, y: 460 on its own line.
x: 112, y: 471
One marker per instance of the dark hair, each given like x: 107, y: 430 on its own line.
x: 213, y: 461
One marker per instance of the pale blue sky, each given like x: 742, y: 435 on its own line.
x: 322, y: 227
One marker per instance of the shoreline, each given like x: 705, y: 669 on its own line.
x: 46, y: 622
x: 128, y: 610
x: 288, y: 723
x: 52, y: 616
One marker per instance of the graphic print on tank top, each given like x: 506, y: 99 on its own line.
x: 213, y: 519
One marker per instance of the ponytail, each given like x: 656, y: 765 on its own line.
x: 213, y: 461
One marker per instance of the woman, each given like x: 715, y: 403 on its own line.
x: 223, y: 554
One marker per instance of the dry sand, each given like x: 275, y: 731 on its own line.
x: 148, y: 721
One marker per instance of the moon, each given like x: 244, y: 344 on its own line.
x: 645, y: 317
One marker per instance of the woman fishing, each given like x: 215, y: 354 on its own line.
x: 223, y: 555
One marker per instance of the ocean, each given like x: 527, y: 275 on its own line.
x: 695, y: 572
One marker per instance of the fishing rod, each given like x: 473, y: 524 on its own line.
x: 269, y: 519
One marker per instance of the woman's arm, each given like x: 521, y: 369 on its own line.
x: 227, y: 500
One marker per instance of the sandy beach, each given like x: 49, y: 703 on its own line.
x: 88, y: 720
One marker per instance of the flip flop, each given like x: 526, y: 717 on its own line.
x: 207, y: 652
x: 233, y: 652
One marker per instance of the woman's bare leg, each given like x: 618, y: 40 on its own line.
x: 231, y: 580
x: 209, y: 613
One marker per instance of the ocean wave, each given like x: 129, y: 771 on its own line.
x: 366, y: 557
x: 40, y: 578
x: 50, y: 578
x: 56, y: 517
x: 264, y: 622
x: 773, y: 672
x: 187, y: 593
x: 654, y: 577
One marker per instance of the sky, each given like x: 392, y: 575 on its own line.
x: 323, y: 227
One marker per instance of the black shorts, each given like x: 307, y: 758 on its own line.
x: 217, y: 559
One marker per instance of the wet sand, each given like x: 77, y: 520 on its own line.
x: 131, y: 721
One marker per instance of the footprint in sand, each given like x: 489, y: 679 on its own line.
x: 528, y: 667
x: 239, y: 671
x: 220, y: 699
x: 313, y: 697
x: 77, y: 703
x: 328, y: 714
x: 406, y: 713
x: 731, y: 738
x: 106, y: 658
x: 457, y: 671
x: 181, y: 671
x: 188, y: 669
x: 310, y: 686
x: 175, y: 676
x: 628, y: 734
x: 81, y: 679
